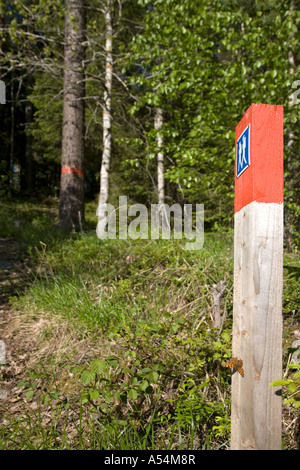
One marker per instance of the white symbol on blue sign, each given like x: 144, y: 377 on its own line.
x: 243, y: 152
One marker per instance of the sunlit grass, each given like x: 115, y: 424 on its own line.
x: 83, y: 298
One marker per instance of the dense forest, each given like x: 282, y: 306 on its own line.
x: 142, y: 98
x: 126, y: 344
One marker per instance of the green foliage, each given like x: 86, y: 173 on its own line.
x: 141, y: 365
x: 291, y: 387
x: 25, y: 222
x: 226, y: 56
x: 103, y: 377
x: 47, y: 127
x: 158, y: 360
x: 157, y: 380
x: 291, y: 292
x: 155, y: 323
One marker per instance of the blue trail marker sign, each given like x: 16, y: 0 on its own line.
x: 243, y: 151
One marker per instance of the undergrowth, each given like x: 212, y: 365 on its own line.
x: 125, y: 352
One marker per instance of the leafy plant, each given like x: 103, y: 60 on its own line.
x: 291, y: 386
x: 107, y: 382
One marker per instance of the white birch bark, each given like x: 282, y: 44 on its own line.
x: 158, y: 123
x: 106, y: 153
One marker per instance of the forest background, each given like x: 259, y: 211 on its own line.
x: 117, y: 344
x: 200, y: 64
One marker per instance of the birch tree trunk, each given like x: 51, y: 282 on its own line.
x: 71, y: 198
x: 106, y: 153
x: 158, y: 123
x: 29, y: 183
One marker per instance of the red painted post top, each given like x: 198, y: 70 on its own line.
x: 259, y: 156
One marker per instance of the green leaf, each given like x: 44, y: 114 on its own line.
x: 277, y: 383
x: 289, y: 400
x: 294, y: 366
x: 127, y: 370
x: 203, y: 385
x: 225, y: 336
x: 94, y: 394
x: 153, y: 376
x: 145, y: 370
x: 22, y: 383
x: 122, y: 422
x: 87, y: 377
x: 29, y: 394
x: 76, y: 369
x: 144, y: 385
x: 112, y: 361
x: 292, y: 387
x: 98, y: 366
x: 84, y: 398
x: 133, y: 394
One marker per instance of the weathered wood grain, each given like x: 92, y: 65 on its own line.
x: 257, y: 326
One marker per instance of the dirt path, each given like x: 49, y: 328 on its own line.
x: 9, y: 277
x: 12, y: 341
x: 21, y: 348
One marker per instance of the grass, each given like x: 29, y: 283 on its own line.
x: 104, y: 283
x: 121, y: 352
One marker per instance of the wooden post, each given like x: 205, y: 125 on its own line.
x: 258, y: 276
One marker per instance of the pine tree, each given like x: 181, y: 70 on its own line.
x: 71, y: 197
